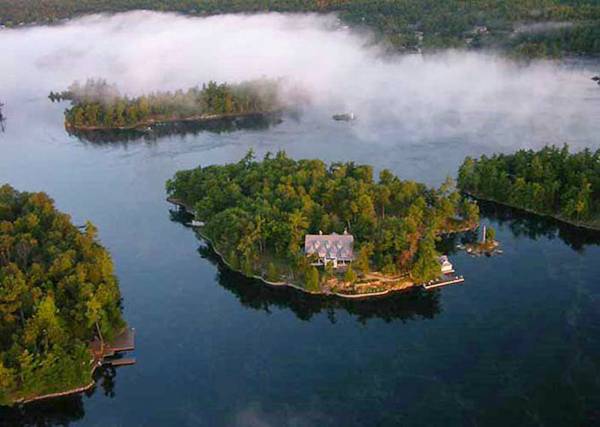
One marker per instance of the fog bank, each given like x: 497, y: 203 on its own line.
x: 397, y: 99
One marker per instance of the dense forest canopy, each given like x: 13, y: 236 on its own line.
x: 57, y: 293
x: 550, y: 181
x: 257, y: 210
x: 98, y: 104
x: 405, y: 24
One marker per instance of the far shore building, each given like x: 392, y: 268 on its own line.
x: 337, y: 249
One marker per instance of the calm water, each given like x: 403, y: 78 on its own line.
x: 518, y: 343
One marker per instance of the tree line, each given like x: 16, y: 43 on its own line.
x: 58, y: 292
x: 97, y: 104
x: 551, y: 181
x: 403, y: 24
x: 258, y: 212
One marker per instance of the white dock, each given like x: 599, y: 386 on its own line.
x: 445, y: 281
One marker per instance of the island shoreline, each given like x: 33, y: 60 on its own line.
x: 202, y: 118
x: 362, y: 296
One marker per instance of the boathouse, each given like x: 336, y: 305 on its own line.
x: 337, y: 249
x: 445, y: 265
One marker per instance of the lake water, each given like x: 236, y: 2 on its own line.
x: 518, y: 343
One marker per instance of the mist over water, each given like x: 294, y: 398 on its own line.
x: 517, y: 344
x: 474, y: 98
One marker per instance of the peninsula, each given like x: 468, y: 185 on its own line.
x: 60, y: 304
x: 552, y: 182
x: 98, y: 105
x: 323, y: 229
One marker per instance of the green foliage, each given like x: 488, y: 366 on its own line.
x: 272, y: 273
x: 98, y: 104
x: 312, y: 280
x: 551, y: 181
x: 350, y: 275
x: 363, y: 260
x: 426, y: 265
x: 57, y: 291
x: 261, y: 211
x: 490, y: 235
x: 403, y: 24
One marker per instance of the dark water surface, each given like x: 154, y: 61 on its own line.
x: 517, y: 344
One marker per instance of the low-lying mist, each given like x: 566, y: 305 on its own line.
x: 481, y: 97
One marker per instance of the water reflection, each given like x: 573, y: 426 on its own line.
x: 402, y: 306
x: 533, y: 226
x: 255, y: 294
x: 523, y: 224
x: 182, y: 128
x: 59, y: 411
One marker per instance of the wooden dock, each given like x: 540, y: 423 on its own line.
x: 123, y: 342
x: 443, y: 281
x: 119, y: 362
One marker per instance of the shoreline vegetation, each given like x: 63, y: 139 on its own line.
x: 551, y: 182
x: 59, y: 298
x: 258, y: 221
x: 541, y: 28
x: 99, y: 106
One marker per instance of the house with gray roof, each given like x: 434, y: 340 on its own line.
x: 337, y: 249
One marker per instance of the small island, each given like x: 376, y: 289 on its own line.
x: 60, y: 305
x: 552, y: 182
x: 323, y: 229
x: 487, y: 245
x: 99, y: 106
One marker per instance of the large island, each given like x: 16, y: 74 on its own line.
x: 323, y: 229
x: 98, y: 105
x: 552, y: 182
x: 59, y: 298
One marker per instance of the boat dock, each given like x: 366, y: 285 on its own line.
x: 443, y: 281
x: 103, y: 352
x: 119, y: 362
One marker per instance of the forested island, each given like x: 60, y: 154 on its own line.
x: 552, y: 181
x: 98, y: 105
x: 261, y: 217
x: 535, y: 28
x: 58, y: 293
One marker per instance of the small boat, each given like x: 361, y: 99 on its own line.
x: 195, y: 223
x: 345, y: 117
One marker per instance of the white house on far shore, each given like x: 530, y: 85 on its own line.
x: 337, y: 249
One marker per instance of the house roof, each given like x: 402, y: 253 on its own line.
x: 340, y: 246
x: 444, y: 260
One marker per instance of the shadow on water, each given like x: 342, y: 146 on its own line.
x: 259, y: 296
x: 59, y: 411
x: 524, y: 224
x: 181, y: 128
